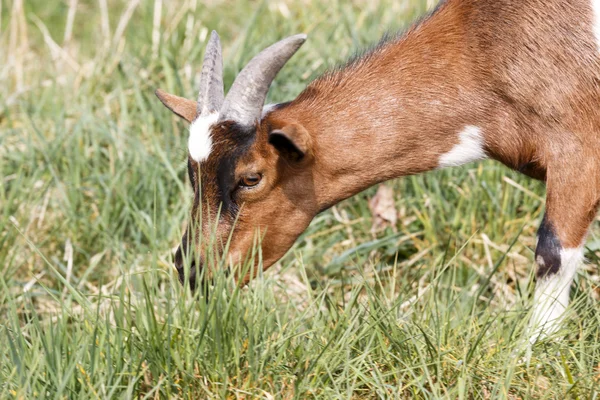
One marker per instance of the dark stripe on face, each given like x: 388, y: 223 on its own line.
x: 191, y: 172
x: 547, y: 250
x: 237, y: 142
x: 194, y: 181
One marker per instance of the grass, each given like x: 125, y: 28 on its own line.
x: 94, y: 195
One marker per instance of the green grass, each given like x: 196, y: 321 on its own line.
x: 94, y: 196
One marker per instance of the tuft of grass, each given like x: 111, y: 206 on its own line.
x: 93, y: 198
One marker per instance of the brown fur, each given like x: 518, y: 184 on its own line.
x: 526, y: 72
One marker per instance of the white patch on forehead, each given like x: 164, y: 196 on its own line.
x: 200, y: 142
x: 267, y: 109
x: 596, y: 21
x: 469, y: 148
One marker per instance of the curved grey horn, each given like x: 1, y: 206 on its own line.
x: 210, y: 97
x: 245, y: 100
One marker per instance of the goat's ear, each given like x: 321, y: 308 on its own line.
x: 291, y: 141
x: 184, y: 108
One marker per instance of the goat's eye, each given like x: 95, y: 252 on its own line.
x: 250, y: 180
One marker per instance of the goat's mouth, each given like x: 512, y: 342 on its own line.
x: 195, y: 276
x: 195, y: 268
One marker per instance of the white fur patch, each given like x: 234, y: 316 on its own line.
x: 267, y: 109
x: 551, y: 296
x: 469, y: 148
x: 200, y: 142
x: 596, y: 20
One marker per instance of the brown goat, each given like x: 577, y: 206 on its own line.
x: 517, y: 81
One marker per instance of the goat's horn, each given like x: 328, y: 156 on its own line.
x: 210, y: 97
x: 245, y: 100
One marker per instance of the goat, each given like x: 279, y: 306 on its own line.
x: 517, y: 81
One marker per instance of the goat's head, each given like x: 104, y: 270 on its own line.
x: 251, y: 175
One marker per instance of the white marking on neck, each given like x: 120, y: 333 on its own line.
x: 551, y: 296
x: 200, y: 142
x: 596, y: 21
x: 469, y: 148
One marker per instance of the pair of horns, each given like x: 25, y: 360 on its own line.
x: 245, y: 100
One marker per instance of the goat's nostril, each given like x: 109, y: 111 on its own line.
x: 178, y: 259
x: 192, y: 275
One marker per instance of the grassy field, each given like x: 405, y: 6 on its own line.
x: 94, y: 195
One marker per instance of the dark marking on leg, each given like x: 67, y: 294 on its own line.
x: 547, y: 252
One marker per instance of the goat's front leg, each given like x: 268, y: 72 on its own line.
x: 556, y: 267
x: 571, y: 205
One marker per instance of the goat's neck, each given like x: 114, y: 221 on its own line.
x: 394, y: 113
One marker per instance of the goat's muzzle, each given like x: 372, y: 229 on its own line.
x: 194, y: 271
